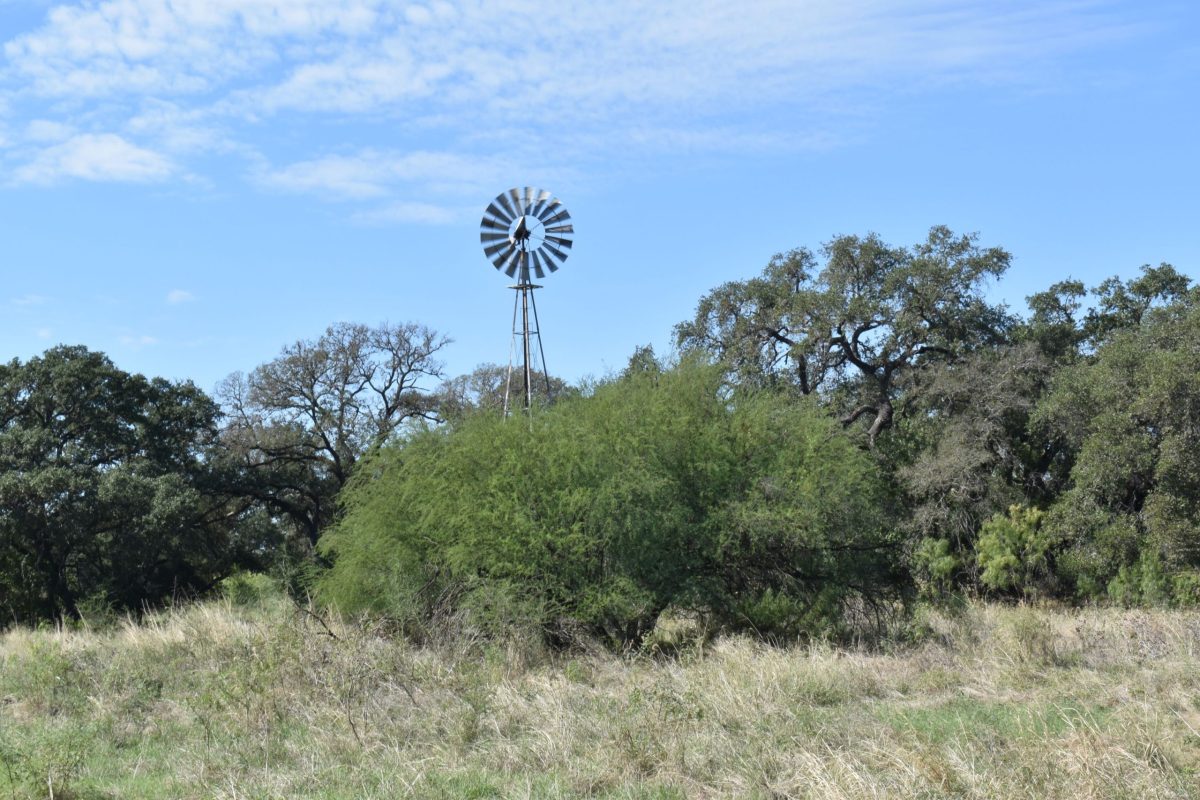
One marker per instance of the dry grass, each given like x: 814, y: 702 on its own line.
x: 222, y: 702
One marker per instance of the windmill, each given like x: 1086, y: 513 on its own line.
x: 526, y: 233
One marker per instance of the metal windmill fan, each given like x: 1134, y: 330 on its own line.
x: 526, y: 233
x: 526, y: 229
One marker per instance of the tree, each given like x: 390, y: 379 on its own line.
x: 654, y: 491
x: 856, y: 327
x: 1131, y: 415
x: 973, y: 453
x: 106, y: 495
x: 1054, y: 323
x: 1122, y: 305
x: 298, y: 424
x: 484, y: 388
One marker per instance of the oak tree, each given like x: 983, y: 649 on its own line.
x: 851, y: 329
x: 298, y: 424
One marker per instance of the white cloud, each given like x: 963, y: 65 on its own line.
x: 373, y: 173
x: 411, y: 213
x: 180, y: 130
x: 193, y: 78
x: 44, y: 130
x: 30, y: 300
x: 43, y: 333
x: 177, y: 296
x: 523, y: 57
x: 138, y: 341
x: 170, y: 46
x: 95, y: 157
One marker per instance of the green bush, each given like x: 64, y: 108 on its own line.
x: 249, y: 589
x: 935, y: 565
x: 1013, y: 551
x: 659, y: 490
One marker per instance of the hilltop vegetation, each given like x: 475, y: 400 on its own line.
x: 834, y: 438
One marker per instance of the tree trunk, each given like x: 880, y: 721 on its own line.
x: 883, y: 419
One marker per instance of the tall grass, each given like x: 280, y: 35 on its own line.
x: 266, y: 701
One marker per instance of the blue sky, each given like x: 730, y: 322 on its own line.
x: 188, y: 185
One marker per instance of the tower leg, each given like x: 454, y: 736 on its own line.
x: 525, y: 331
x: 512, y: 347
x: 541, y: 348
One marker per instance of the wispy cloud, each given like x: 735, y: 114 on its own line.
x: 44, y: 130
x: 95, y: 157
x: 374, y: 173
x: 134, y: 340
x: 192, y: 78
x: 27, y: 300
x: 418, y: 213
x: 177, y: 296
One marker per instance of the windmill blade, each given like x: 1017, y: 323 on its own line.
x: 559, y: 254
x: 491, y: 250
x: 507, y: 206
x: 548, y: 260
x: 512, y: 265
x: 486, y: 237
x: 548, y: 209
x: 561, y: 216
x: 561, y: 229
x: 542, y: 199
x: 500, y: 253
x: 530, y: 193
x: 524, y: 261
x: 537, y: 266
x: 509, y: 264
x: 494, y: 224
x: 558, y: 240
x: 496, y: 212
x: 515, y: 194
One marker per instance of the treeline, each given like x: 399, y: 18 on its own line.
x: 850, y: 429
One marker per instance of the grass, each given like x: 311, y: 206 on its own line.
x: 222, y: 701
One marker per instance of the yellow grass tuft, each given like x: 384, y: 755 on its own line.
x: 216, y: 701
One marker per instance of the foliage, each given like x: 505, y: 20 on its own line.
x: 974, y: 454
x: 106, y: 499
x: 1013, y: 551
x: 1122, y: 305
x: 657, y: 490
x: 1132, y: 415
x: 298, y: 424
x: 485, y: 388
x: 723, y: 490
x: 935, y: 565
x: 855, y: 326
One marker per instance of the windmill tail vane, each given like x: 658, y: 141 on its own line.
x: 526, y: 233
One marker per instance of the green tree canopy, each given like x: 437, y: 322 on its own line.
x: 658, y: 490
x: 105, y: 495
x: 1132, y: 416
x: 856, y: 325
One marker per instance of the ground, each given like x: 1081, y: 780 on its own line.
x: 266, y: 701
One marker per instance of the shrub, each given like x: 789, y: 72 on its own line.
x: 1013, y: 551
x: 659, y: 490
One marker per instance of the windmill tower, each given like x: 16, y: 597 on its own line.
x: 525, y: 233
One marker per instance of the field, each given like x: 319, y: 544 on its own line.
x: 267, y: 701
